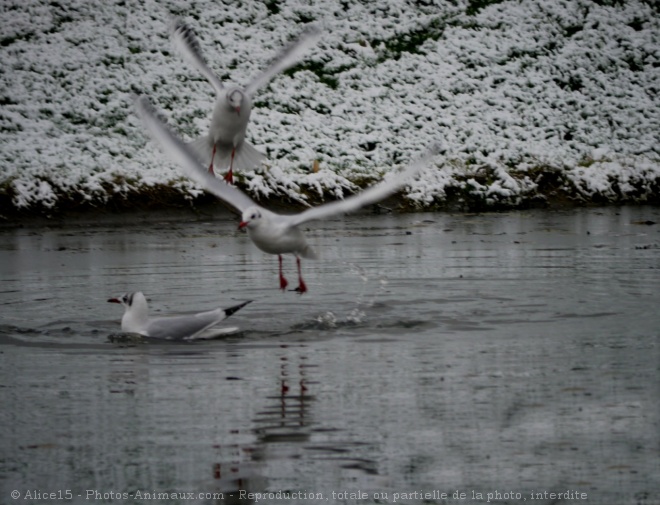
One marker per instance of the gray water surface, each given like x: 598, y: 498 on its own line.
x: 434, y: 355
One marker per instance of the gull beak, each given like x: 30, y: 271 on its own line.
x: 242, y: 225
x: 238, y: 111
x: 114, y: 300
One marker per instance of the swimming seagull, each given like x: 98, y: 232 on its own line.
x: 225, y: 143
x: 272, y: 233
x: 184, y: 327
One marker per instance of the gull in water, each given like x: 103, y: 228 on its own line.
x: 225, y: 144
x: 272, y: 233
x: 182, y: 327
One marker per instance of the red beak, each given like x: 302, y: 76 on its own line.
x: 114, y: 300
x: 238, y: 111
x: 242, y: 225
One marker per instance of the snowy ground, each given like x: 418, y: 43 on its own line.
x: 532, y: 98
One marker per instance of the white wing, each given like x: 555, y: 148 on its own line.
x: 186, y: 43
x: 368, y: 196
x: 287, y: 58
x: 183, y: 155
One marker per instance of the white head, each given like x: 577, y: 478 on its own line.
x: 251, y: 217
x: 235, y: 99
x: 136, y: 311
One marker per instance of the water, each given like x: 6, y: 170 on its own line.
x: 502, y: 356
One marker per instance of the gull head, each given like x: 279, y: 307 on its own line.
x: 251, y: 217
x: 136, y: 313
x: 235, y: 99
x: 130, y: 300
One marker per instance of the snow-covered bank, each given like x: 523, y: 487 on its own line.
x: 535, y: 99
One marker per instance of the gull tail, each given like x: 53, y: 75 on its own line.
x: 203, y: 148
x: 247, y: 157
x: 235, y: 308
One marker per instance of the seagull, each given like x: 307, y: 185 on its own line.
x: 225, y: 143
x: 273, y: 233
x: 183, y: 327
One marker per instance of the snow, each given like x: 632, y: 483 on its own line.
x: 516, y: 87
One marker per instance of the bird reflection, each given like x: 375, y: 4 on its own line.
x: 287, y: 415
x: 279, y: 428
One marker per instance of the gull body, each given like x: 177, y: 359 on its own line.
x: 177, y: 327
x: 225, y: 144
x: 272, y: 233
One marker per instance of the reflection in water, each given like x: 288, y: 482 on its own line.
x: 279, y: 427
x: 434, y: 352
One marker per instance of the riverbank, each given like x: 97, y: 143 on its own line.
x: 551, y: 190
x: 538, y: 103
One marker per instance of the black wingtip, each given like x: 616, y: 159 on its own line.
x: 314, y: 29
x: 438, y: 148
x: 236, y: 308
x: 143, y: 106
x: 179, y: 25
x: 180, y: 28
x: 176, y: 23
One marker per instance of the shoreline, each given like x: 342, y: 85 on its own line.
x: 176, y: 209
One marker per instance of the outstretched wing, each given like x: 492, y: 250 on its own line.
x: 186, y: 43
x: 368, y: 196
x: 287, y: 58
x: 184, y: 156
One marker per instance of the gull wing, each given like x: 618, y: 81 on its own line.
x: 368, y: 196
x: 287, y: 58
x: 183, y: 154
x: 186, y: 43
x: 180, y: 327
x: 188, y: 326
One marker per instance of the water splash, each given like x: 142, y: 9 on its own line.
x: 327, y: 320
x: 356, y: 316
x: 366, y: 299
x: 371, y: 289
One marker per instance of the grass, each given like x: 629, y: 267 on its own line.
x: 467, y: 193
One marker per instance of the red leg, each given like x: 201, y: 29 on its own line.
x: 302, y: 287
x: 229, y: 176
x: 283, y: 282
x: 212, y: 158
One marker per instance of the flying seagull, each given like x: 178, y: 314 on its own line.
x: 182, y: 327
x: 225, y: 144
x: 272, y: 233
